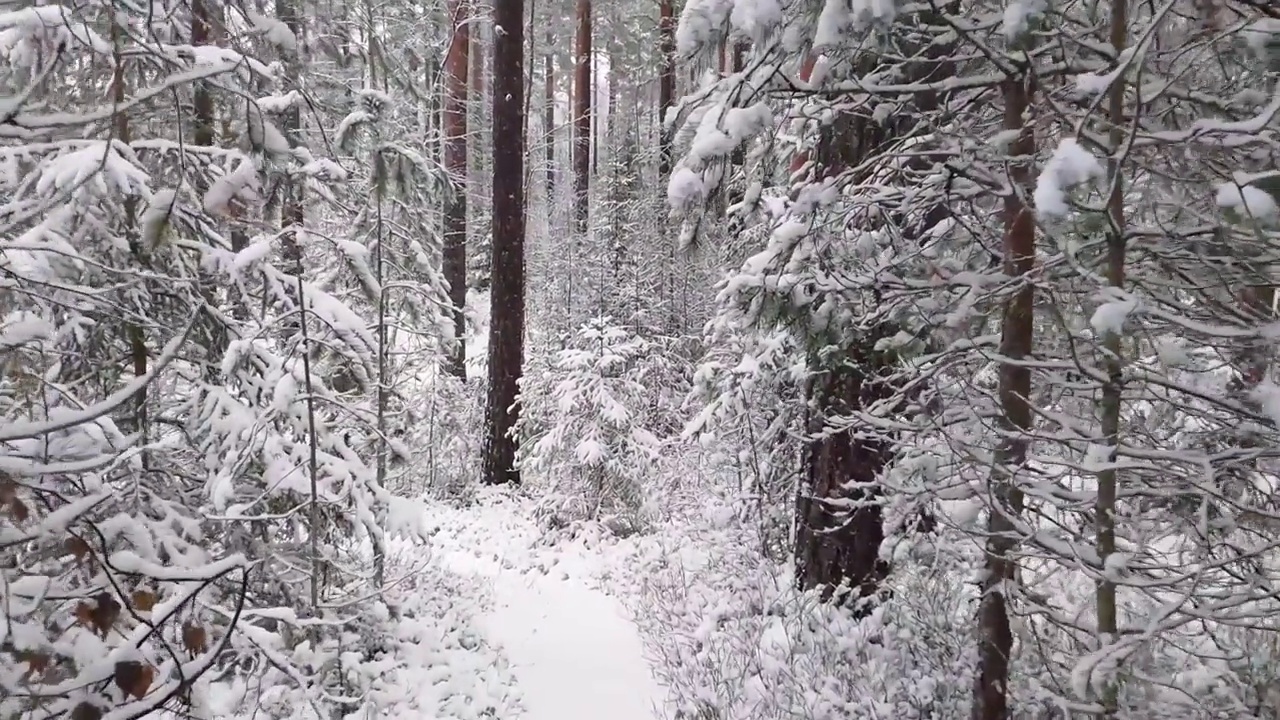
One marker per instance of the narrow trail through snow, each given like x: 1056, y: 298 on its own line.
x: 574, y: 652
x: 576, y: 657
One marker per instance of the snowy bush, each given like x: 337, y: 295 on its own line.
x: 732, y: 639
x: 590, y: 445
x: 446, y: 433
x: 417, y: 652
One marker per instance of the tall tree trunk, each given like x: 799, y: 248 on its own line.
x: 506, y: 311
x: 201, y: 33
x: 582, y: 96
x: 1113, y: 390
x: 549, y: 117
x: 455, y: 162
x: 839, y: 524
x: 738, y: 158
x: 995, y: 637
x: 839, y: 517
x: 433, y: 125
x: 666, y: 81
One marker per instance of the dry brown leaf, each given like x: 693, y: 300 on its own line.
x: 143, y: 600
x: 18, y: 510
x: 9, y: 500
x: 100, y: 616
x: 77, y: 547
x: 84, y: 614
x: 37, y: 662
x: 134, y: 678
x: 106, y: 613
x: 194, y: 638
x: 86, y: 711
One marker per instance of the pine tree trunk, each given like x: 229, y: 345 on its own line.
x: 202, y: 135
x: 738, y: 158
x: 836, y: 546
x: 995, y: 637
x: 455, y: 161
x: 839, y: 524
x: 201, y: 32
x: 582, y: 92
x: 666, y: 82
x: 506, y: 322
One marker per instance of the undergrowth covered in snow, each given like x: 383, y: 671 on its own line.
x: 431, y: 658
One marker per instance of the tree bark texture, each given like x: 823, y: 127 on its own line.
x: 582, y: 99
x: 506, y: 325
x: 666, y: 82
x: 839, y: 524
x: 995, y: 636
x: 457, y: 62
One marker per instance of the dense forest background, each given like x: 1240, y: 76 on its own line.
x: 908, y: 359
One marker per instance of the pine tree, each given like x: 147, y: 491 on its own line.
x: 506, y: 328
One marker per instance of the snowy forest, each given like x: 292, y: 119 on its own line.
x: 670, y: 359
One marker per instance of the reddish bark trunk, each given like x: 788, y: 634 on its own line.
x: 839, y: 515
x: 506, y: 325
x: 666, y: 81
x: 457, y: 61
x: 582, y: 92
x: 839, y: 518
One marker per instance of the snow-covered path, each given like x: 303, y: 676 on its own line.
x: 573, y: 651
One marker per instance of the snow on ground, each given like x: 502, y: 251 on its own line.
x: 573, y: 651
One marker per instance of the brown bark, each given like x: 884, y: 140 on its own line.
x: 666, y: 81
x: 839, y: 515
x: 995, y: 637
x: 840, y: 523
x: 455, y: 162
x: 506, y: 325
x: 1111, y: 404
x: 738, y: 159
x: 582, y: 92
x: 806, y: 72
x: 201, y: 32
